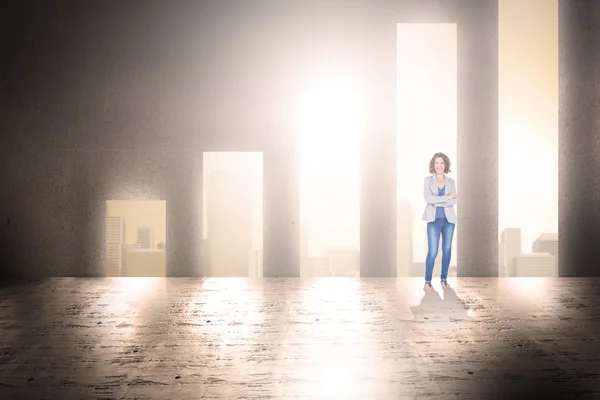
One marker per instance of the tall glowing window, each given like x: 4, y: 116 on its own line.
x: 331, y: 125
x: 427, y: 124
x: 136, y: 238
x: 528, y: 138
x: 233, y: 214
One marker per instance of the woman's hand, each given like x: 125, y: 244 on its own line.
x: 452, y: 195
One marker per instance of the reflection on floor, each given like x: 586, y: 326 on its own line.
x: 327, y: 338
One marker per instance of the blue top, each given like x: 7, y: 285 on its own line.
x: 439, y: 211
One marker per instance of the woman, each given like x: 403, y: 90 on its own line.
x: 440, y: 195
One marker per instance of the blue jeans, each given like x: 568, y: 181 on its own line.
x: 434, y: 229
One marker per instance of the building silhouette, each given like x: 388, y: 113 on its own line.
x: 115, y: 239
x: 534, y: 265
x: 145, y: 263
x: 124, y: 250
x: 145, y: 237
x: 511, y: 257
x: 510, y: 241
x: 547, y: 243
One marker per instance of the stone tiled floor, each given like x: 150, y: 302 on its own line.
x: 328, y: 338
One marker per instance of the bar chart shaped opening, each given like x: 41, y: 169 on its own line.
x: 331, y: 123
x: 136, y: 238
x: 528, y: 138
x: 426, y: 124
x: 232, y: 239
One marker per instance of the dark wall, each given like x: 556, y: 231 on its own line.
x: 44, y: 235
x: 116, y: 100
x: 112, y: 98
x: 144, y: 75
x: 579, y: 138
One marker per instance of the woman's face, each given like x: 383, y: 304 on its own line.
x: 439, y: 165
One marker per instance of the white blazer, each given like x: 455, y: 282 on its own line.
x: 430, y: 191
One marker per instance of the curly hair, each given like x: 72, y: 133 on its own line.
x: 444, y: 157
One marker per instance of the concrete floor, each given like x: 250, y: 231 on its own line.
x: 328, y: 338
